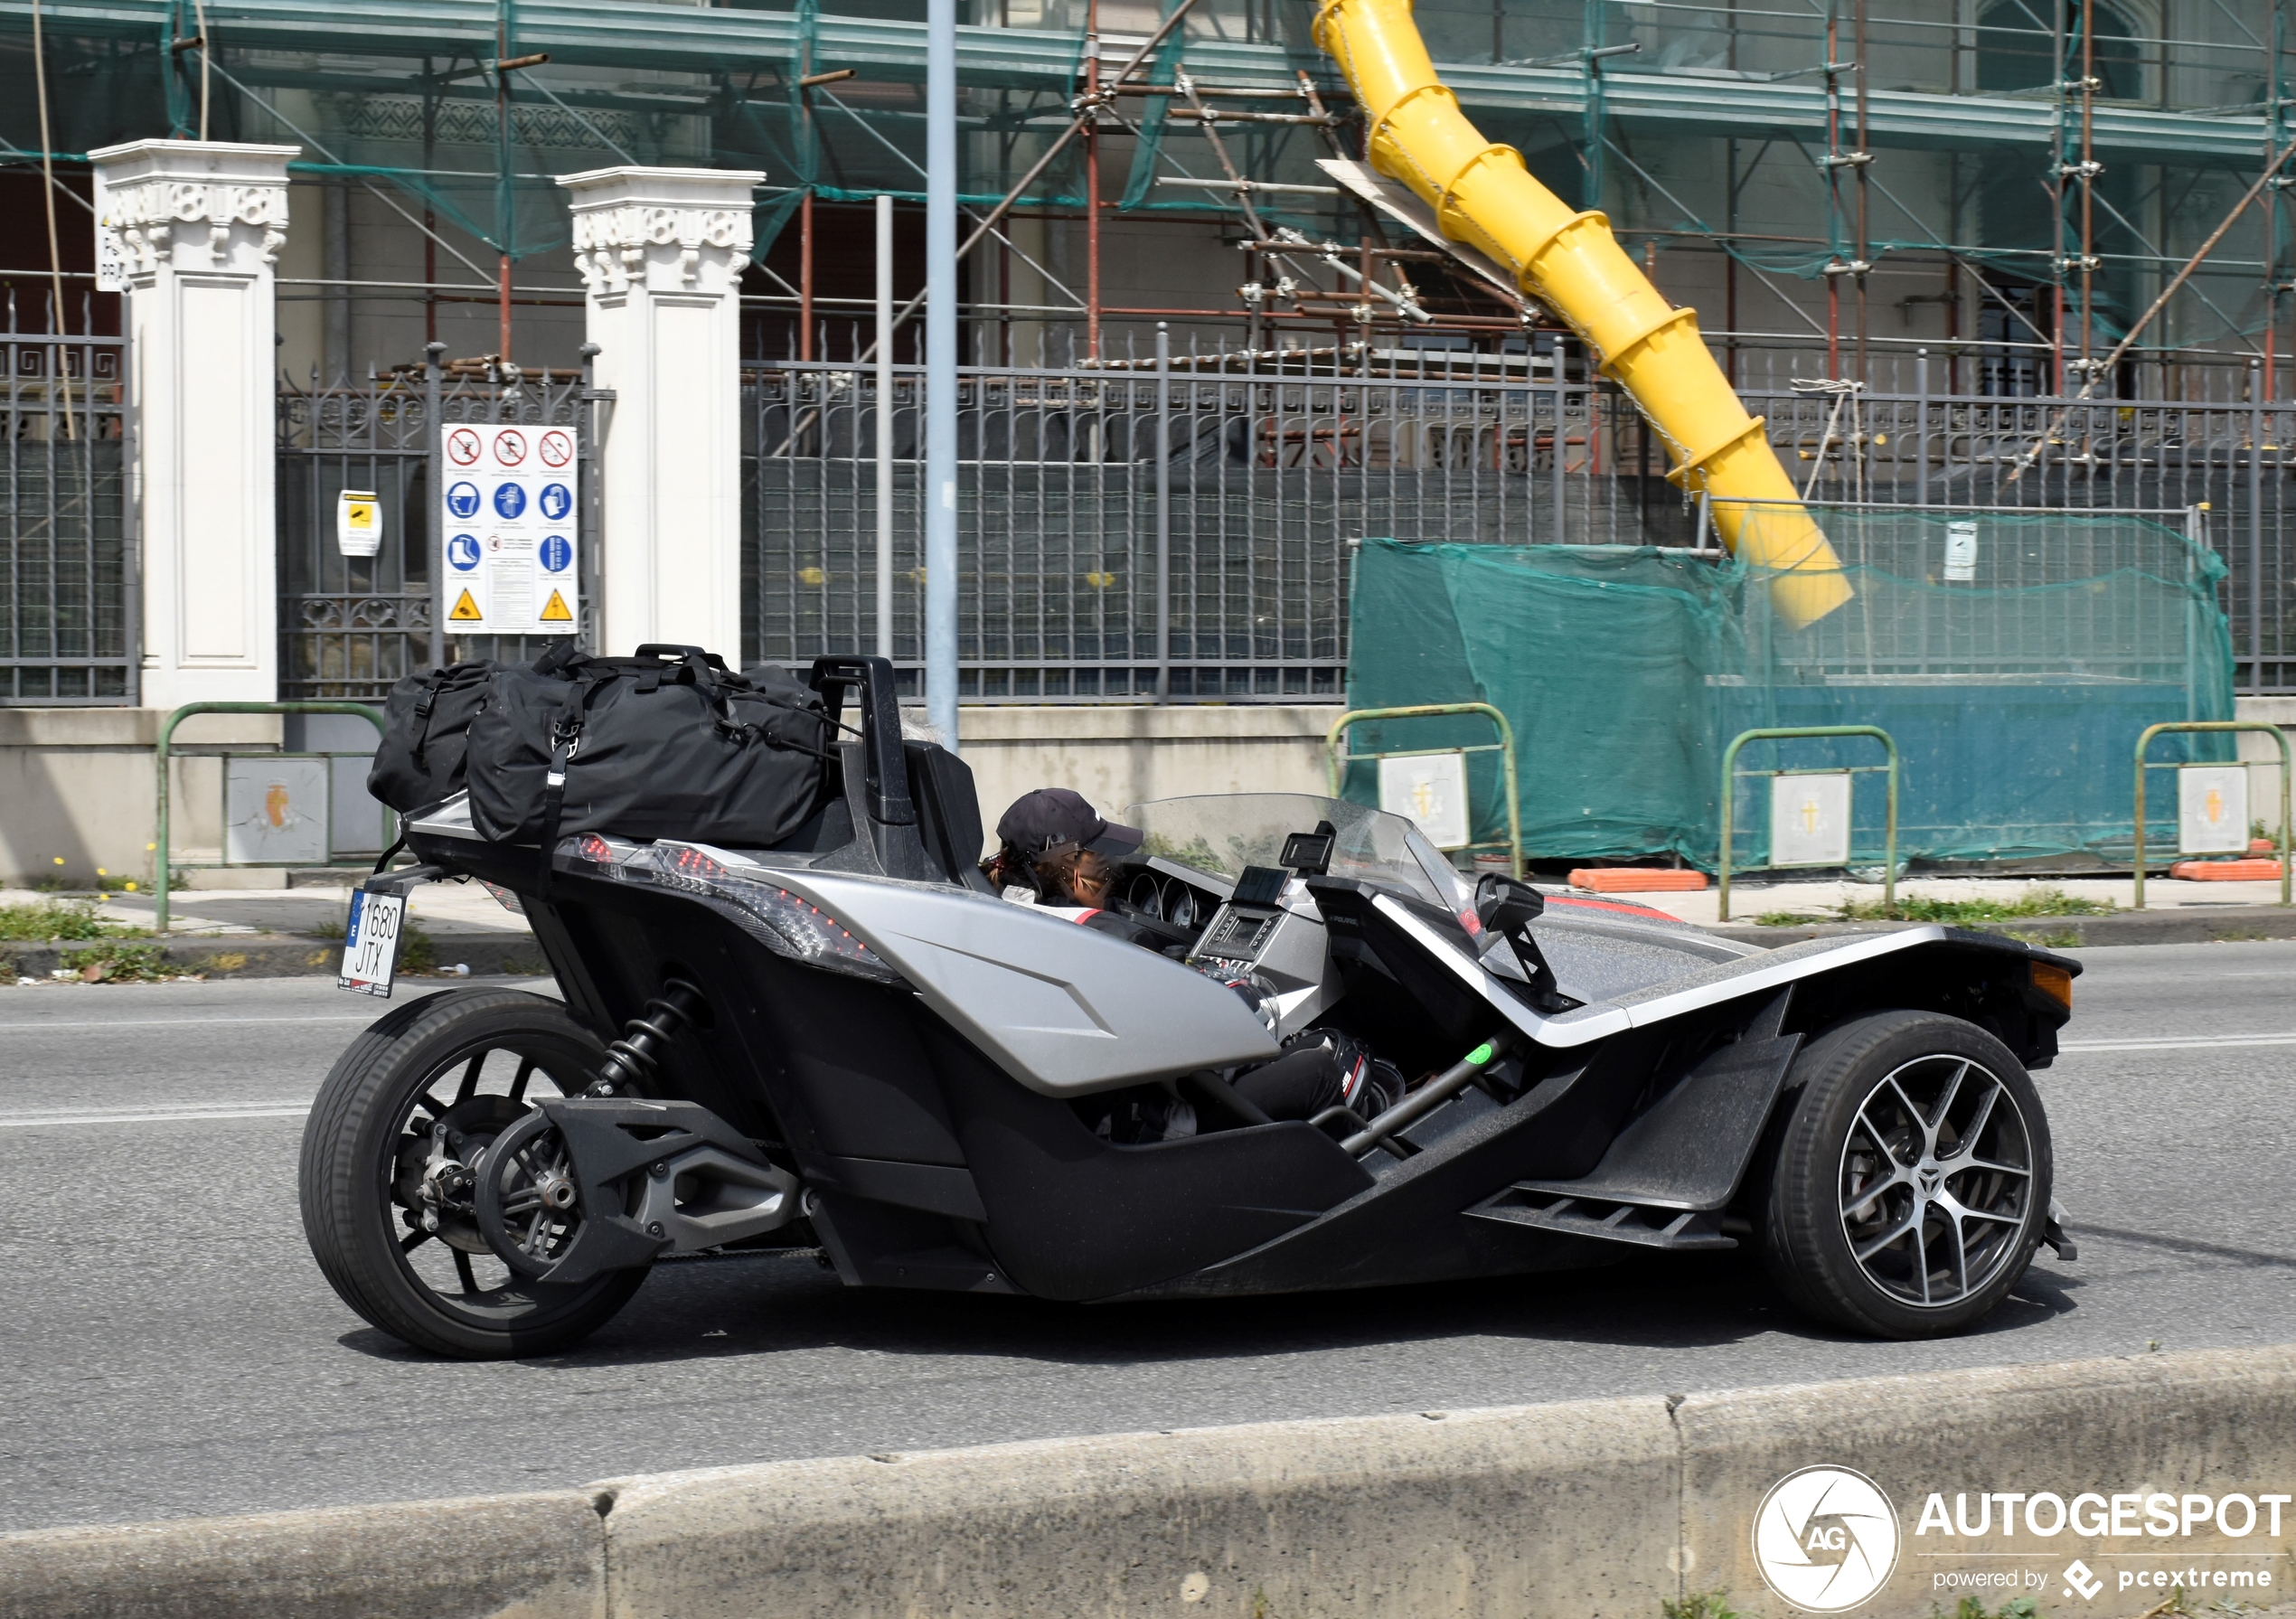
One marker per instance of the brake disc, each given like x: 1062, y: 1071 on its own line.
x: 527, y: 1206
x: 438, y: 1169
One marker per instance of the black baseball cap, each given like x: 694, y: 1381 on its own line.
x: 1050, y: 817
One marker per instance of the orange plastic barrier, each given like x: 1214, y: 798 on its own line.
x: 1638, y: 880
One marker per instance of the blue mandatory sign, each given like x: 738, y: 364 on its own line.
x: 510, y: 499
x: 462, y: 553
x: 462, y: 499
x: 557, y: 554
x: 554, y: 502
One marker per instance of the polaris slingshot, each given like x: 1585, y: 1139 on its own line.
x: 851, y: 1041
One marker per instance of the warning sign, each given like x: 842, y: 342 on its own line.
x: 509, y: 558
x: 358, y: 524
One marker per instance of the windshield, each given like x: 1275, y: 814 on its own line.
x: 1224, y: 832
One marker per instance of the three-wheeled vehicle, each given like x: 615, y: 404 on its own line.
x: 852, y: 1040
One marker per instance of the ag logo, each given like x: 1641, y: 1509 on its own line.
x: 1825, y: 1538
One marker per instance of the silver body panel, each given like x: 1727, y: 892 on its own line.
x: 1064, y: 1009
x: 1655, y: 1004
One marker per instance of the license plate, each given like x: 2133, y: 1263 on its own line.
x: 371, y: 942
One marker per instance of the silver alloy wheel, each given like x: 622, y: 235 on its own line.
x: 1936, y: 1181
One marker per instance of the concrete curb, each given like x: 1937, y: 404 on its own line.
x: 534, y: 1557
x: 2186, y: 925
x: 279, y: 954
x: 1586, y: 1509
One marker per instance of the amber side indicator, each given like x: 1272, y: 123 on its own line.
x: 2055, y: 982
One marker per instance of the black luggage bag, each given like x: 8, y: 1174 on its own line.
x: 419, y: 761
x: 666, y: 744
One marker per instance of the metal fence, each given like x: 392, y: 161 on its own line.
x: 351, y: 625
x: 69, y: 612
x: 1239, y: 480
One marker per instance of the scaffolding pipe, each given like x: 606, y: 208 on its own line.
x: 1484, y: 196
x: 884, y: 425
x: 940, y: 367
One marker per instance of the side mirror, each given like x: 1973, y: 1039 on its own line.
x: 1506, y: 907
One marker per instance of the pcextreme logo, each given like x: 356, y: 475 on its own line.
x: 1825, y: 1538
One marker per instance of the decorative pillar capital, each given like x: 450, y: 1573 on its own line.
x: 661, y: 230
x: 206, y: 206
x: 662, y: 252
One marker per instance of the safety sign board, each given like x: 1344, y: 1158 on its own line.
x: 1810, y: 819
x: 2212, y: 809
x: 358, y: 522
x: 1430, y: 789
x: 509, y: 522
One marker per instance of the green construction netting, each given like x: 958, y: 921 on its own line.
x: 2015, y: 695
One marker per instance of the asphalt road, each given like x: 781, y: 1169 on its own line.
x: 168, y: 1347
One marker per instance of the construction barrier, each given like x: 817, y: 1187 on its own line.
x: 2204, y: 727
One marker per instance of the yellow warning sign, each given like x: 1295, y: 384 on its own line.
x: 466, y: 610
x: 554, y: 610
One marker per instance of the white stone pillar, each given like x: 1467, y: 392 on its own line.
x: 660, y: 252
x: 198, y: 226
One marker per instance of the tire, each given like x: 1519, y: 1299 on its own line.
x: 1868, y: 1223
x: 370, y: 1172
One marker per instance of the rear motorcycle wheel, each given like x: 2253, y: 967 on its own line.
x: 387, y: 1174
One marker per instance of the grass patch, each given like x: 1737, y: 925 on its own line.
x: 2036, y: 902
x: 117, y: 964
x: 1700, y: 1604
x: 2016, y: 1607
x: 43, y: 920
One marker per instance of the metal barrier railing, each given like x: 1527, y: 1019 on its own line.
x: 160, y: 843
x: 1335, y: 762
x: 1730, y: 776
x: 2145, y: 741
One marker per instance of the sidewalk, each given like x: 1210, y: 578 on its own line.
x: 441, y: 908
x: 1823, y: 902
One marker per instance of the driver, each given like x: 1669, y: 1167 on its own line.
x: 1055, y: 850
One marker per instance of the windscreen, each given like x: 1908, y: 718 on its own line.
x: 1222, y: 834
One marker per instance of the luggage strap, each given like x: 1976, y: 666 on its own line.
x: 566, y: 741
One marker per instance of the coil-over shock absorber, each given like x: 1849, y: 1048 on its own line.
x: 632, y: 1062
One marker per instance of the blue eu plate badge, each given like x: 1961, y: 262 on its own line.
x: 371, y: 942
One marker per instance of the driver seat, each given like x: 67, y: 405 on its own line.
x: 948, y: 813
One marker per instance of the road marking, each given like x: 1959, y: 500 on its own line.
x: 156, y: 1116
x: 34, y: 1023
x: 2179, y: 1043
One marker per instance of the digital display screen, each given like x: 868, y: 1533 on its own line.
x: 1260, y: 885
x: 1239, y: 938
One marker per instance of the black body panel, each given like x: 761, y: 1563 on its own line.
x: 1074, y: 1217
x: 1689, y: 1148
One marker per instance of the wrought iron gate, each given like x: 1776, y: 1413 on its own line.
x: 349, y: 627
x: 70, y: 620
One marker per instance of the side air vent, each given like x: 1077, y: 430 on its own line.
x: 1646, y: 1227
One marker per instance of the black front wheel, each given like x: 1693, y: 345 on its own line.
x: 388, y: 1174
x: 1910, y: 1184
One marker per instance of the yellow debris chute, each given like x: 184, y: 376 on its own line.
x: 1483, y: 197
